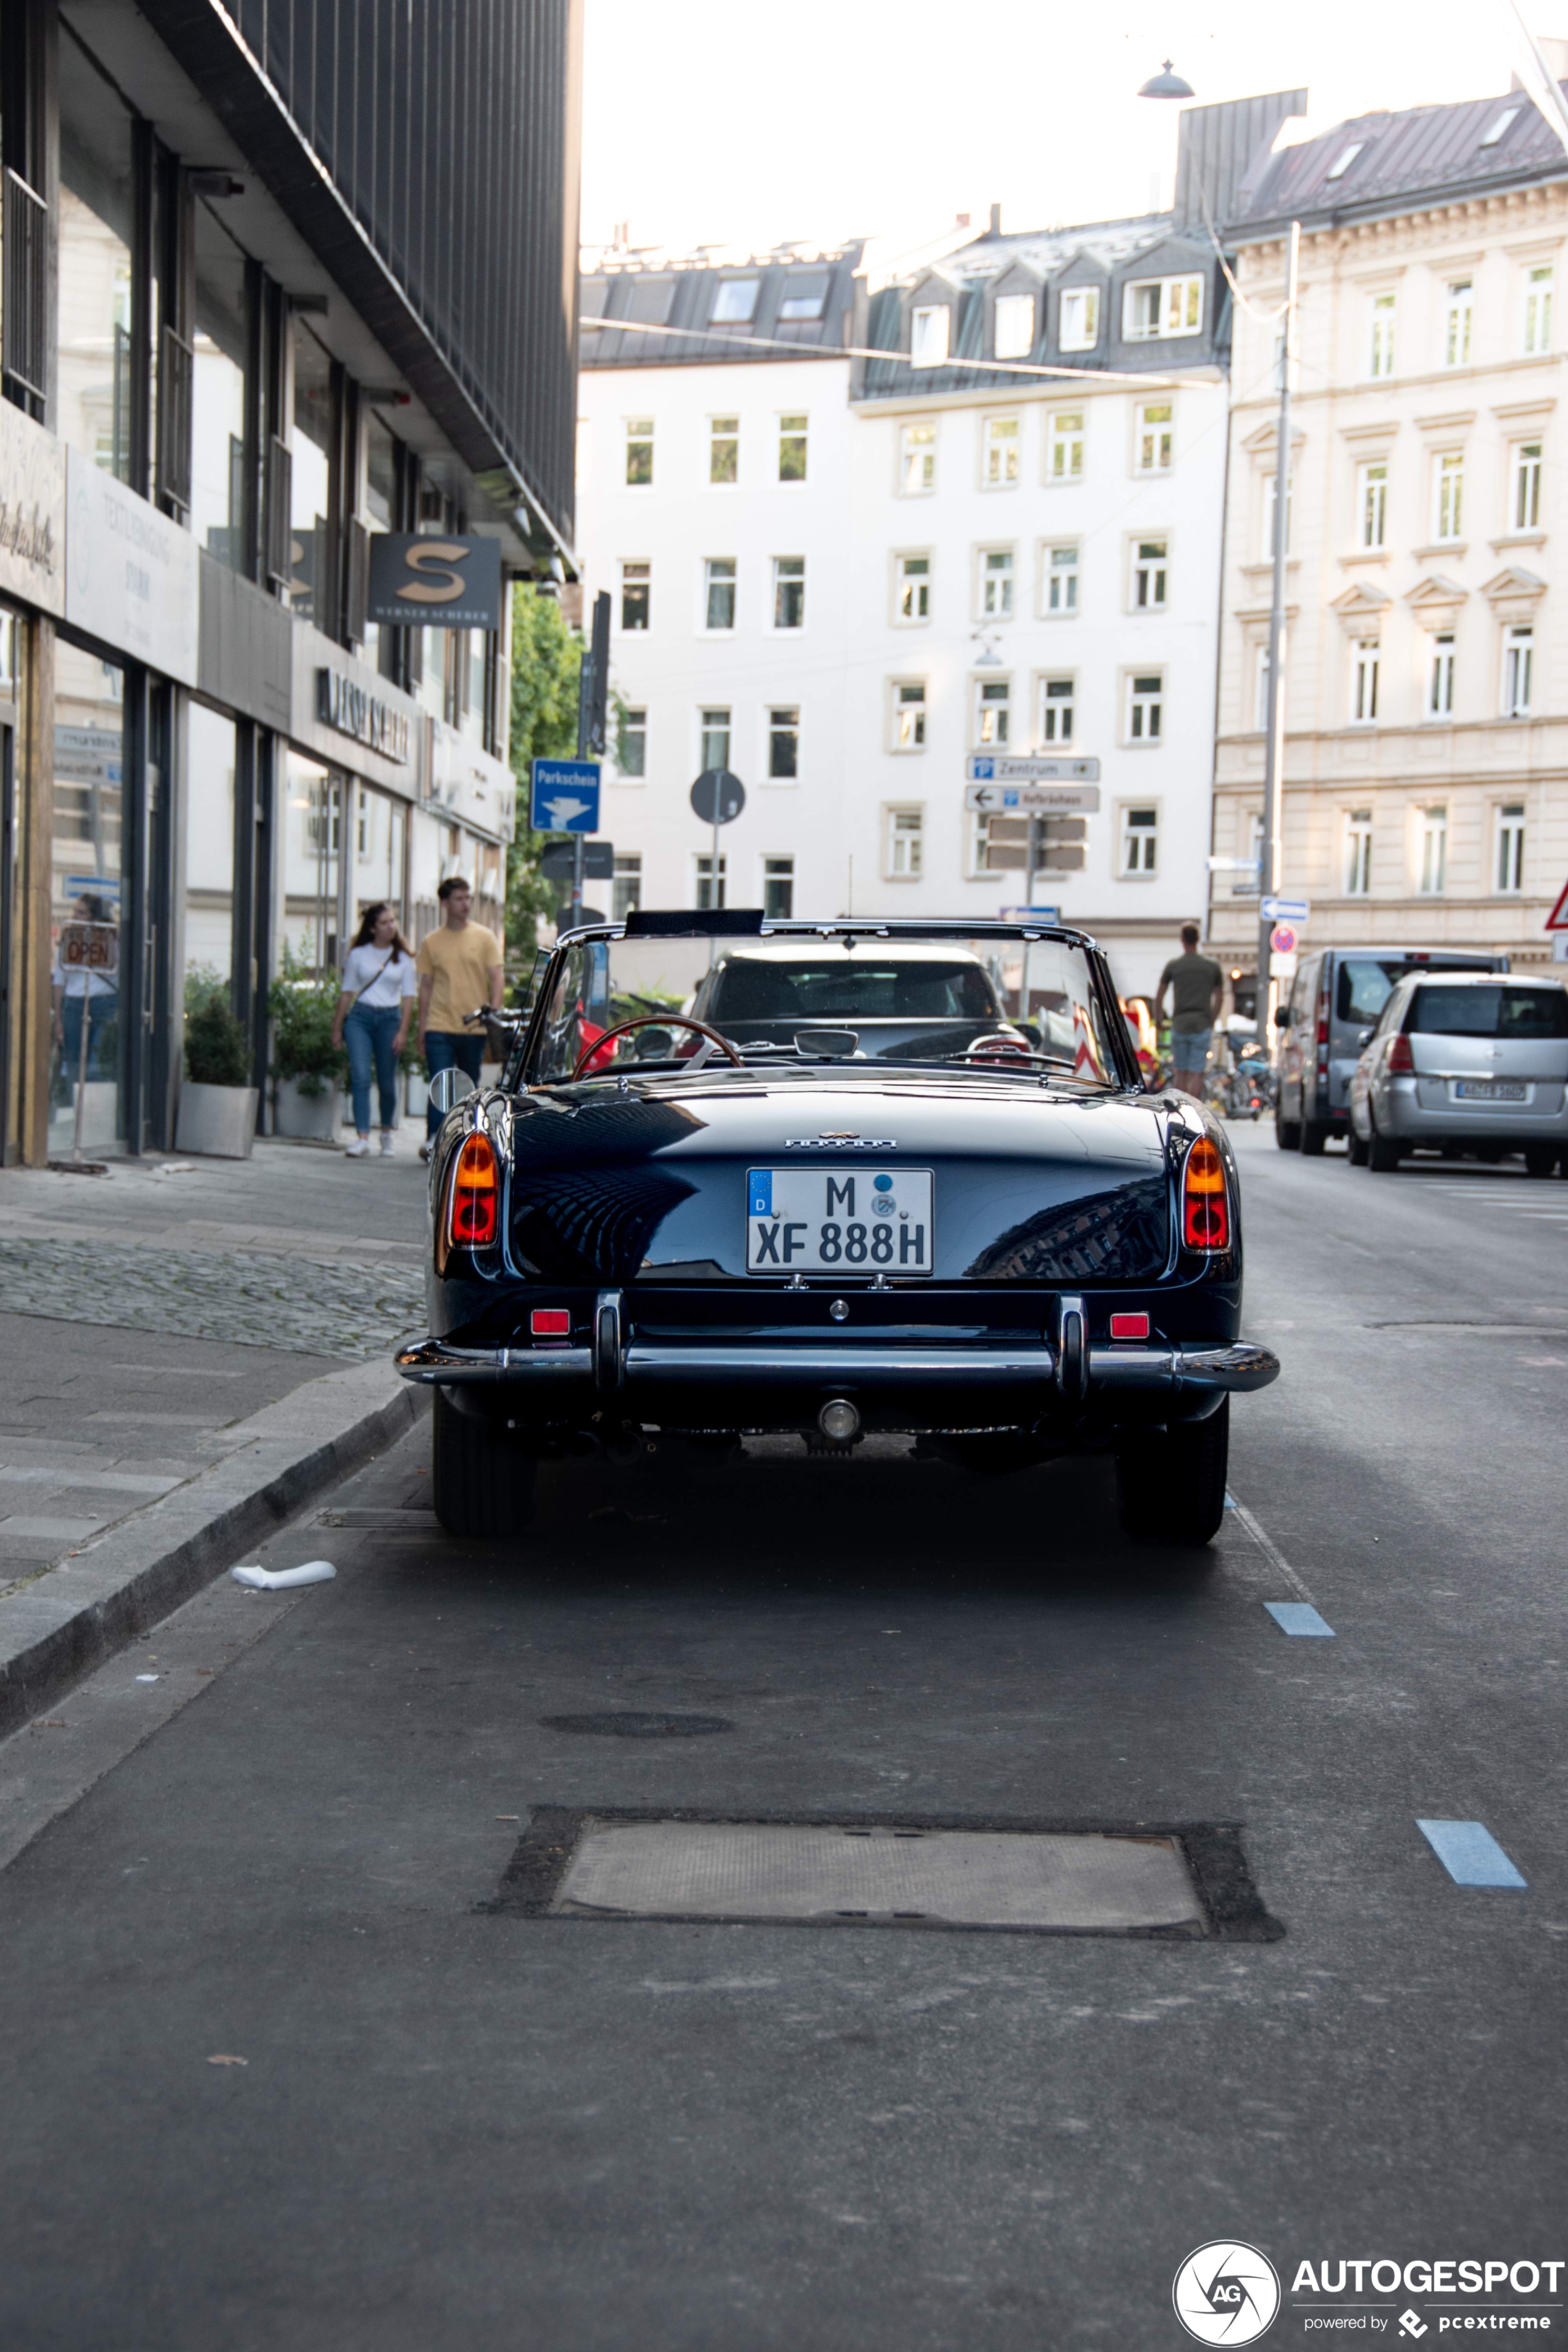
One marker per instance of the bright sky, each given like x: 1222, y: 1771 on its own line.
x: 749, y: 122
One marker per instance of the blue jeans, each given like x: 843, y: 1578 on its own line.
x: 443, y: 1051
x: 368, y: 1032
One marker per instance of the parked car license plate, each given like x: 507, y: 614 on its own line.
x: 1491, y: 1090
x: 858, y: 1219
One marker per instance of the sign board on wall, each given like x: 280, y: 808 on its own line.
x: 32, y: 511
x: 470, y: 785
x: 445, y: 582
x: 131, y: 573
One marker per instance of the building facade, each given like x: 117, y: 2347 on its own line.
x: 856, y: 533
x: 235, y: 347
x: 1425, y: 794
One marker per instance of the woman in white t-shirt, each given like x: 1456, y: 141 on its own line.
x: 371, y: 1019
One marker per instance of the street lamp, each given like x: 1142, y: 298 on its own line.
x: 1167, y: 84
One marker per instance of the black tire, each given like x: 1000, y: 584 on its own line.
x: 1288, y: 1133
x: 1382, y: 1152
x: 1314, y: 1135
x: 1358, y: 1149
x: 1540, y: 1159
x: 1170, y: 1482
x: 482, y: 1486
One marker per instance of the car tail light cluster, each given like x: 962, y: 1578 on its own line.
x: 475, y: 1214
x: 1206, y: 1204
x: 1401, y: 1060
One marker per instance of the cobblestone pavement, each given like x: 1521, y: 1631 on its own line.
x: 254, y: 1299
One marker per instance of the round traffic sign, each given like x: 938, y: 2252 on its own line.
x: 1282, y: 939
x: 717, y: 797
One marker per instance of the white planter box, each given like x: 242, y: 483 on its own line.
x: 316, y: 1116
x: 218, y: 1122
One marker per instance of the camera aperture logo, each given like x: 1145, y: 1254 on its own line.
x: 1225, y: 2293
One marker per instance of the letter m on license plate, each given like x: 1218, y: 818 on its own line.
x: 854, y: 1219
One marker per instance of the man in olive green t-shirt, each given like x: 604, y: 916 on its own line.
x: 460, y: 969
x: 1197, y: 991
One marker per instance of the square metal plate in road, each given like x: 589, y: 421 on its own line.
x: 1061, y: 1878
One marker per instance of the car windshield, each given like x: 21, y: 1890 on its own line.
x: 783, y: 1001
x: 1503, y: 1012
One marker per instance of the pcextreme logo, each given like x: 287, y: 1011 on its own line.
x: 1225, y: 2293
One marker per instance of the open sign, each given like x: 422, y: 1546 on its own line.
x: 89, y: 947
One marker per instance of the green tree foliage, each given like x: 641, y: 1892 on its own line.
x: 217, y: 1051
x: 546, y: 661
x: 301, y: 1006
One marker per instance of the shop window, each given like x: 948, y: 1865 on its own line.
x: 311, y: 475
x: 88, y: 1033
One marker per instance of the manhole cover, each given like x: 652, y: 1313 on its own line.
x: 1052, y: 1878
x: 631, y: 1724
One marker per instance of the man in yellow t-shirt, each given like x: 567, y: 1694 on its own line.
x: 459, y: 969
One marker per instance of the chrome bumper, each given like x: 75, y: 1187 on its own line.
x: 615, y: 1375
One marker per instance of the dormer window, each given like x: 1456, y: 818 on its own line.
x: 803, y: 297
x: 1343, y: 160
x: 1079, y: 329
x: 928, y: 340
x: 1163, y: 307
x: 1498, y: 126
x: 735, y: 301
x: 1015, y: 327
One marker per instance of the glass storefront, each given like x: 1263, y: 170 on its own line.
x: 380, y: 506
x: 380, y: 853
x: 312, y: 809
x: 209, y: 844
x: 96, y: 227
x: 87, y: 1032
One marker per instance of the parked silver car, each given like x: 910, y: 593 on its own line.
x: 1465, y: 1062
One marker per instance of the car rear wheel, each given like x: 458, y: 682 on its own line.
x: 1358, y: 1149
x: 1540, y: 1159
x: 1288, y: 1134
x: 1381, y: 1153
x: 1170, y: 1482
x: 482, y: 1486
x: 1314, y: 1135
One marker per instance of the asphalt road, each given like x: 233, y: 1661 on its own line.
x: 463, y: 2128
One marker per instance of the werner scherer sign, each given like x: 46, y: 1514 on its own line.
x: 443, y: 581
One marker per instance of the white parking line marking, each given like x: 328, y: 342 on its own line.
x: 1298, y: 1617
x: 1271, y: 1552
x: 1469, y: 1854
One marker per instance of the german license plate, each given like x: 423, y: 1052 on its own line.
x: 1491, y: 1090
x: 859, y: 1220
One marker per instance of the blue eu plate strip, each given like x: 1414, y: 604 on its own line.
x: 1298, y: 1617
x: 760, y: 1191
x: 1470, y: 1854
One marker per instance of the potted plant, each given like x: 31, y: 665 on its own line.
x: 307, y: 1067
x: 217, y: 1102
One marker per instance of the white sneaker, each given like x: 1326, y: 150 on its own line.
x: 386, y: 1143
x: 359, y: 1148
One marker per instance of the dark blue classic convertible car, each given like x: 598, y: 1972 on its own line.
x: 745, y: 1176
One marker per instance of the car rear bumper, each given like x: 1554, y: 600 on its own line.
x: 1399, y: 1113
x: 625, y: 1376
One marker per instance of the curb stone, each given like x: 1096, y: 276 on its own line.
x: 82, y: 1610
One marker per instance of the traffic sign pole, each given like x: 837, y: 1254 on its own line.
x: 1274, y: 742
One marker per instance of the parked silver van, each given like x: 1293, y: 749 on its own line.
x: 1466, y: 1062
x: 1336, y: 998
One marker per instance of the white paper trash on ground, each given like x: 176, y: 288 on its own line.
x: 262, y: 1579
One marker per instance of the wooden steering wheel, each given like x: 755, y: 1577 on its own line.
x: 654, y: 1021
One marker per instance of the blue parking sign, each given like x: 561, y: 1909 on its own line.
x: 564, y: 797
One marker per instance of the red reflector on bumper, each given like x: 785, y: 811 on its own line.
x: 1129, y: 1327
x: 550, y: 1322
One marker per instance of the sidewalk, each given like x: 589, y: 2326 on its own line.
x: 153, y: 1323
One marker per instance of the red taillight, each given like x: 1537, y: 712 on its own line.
x: 1205, y: 1206
x: 475, y: 1195
x: 1129, y: 1327
x: 1401, y: 1060
x: 551, y: 1323
x: 1322, y: 1030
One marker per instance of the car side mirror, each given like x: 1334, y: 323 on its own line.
x: 1281, y: 1017
x: 448, y: 1086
